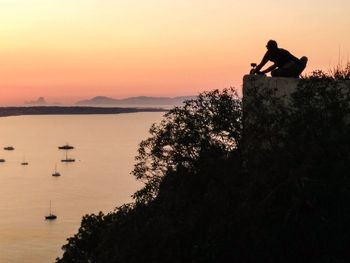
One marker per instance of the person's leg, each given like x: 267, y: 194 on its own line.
x: 301, y: 65
x: 288, y: 70
x: 277, y: 72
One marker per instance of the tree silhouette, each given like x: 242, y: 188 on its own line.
x: 213, y: 120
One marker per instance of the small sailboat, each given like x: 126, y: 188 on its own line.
x: 55, y: 172
x: 68, y: 160
x: 24, y: 161
x: 50, y: 216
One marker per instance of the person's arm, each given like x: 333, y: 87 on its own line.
x: 269, y: 69
x: 262, y: 63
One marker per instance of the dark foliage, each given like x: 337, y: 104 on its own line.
x: 212, y: 195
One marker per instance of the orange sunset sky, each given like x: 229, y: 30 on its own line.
x: 66, y: 50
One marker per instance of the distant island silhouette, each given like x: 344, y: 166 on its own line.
x: 105, y: 101
x: 134, y: 101
x: 39, y: 102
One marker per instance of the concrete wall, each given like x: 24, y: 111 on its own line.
x: 259, y: 104
x: 283, y: 87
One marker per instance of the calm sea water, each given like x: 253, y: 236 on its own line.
x: 99, y: 180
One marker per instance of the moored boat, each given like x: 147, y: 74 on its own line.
x: 24, y: 161
x: 9, y: 148
x: 66, y: 147
x: 50, y: 216
x: 56, y: 173
x: 68, y: 160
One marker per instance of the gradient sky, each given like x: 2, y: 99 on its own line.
x: 65, y: 50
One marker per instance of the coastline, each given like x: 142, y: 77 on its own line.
x: 70, y: 110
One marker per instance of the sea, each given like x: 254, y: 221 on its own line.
x: 105, y: 147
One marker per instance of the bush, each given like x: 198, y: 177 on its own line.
x: 213, y: 120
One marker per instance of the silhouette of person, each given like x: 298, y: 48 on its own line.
x: 285, y: 64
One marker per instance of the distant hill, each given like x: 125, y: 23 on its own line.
x: 39, y: 102
x: 141, y: 101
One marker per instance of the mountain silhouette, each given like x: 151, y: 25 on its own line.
x: 135, y: 101
x: 39, y: 102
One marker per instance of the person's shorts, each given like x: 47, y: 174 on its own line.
x: 292, y: 69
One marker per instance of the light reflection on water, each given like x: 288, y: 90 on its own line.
x: 105, y: 147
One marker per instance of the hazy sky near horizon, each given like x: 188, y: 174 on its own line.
x: 65, y: 50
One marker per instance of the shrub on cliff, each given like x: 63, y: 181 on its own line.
x: 211, y: 121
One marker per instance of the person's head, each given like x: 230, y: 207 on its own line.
x: 271, y: 45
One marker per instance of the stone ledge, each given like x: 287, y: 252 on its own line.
x: 283, y: 86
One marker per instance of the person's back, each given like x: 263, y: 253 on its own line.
x: 280, y: 57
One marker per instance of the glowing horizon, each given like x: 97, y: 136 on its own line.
x: 70, y: 50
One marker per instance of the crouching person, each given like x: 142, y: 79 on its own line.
x: 285, y: 64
